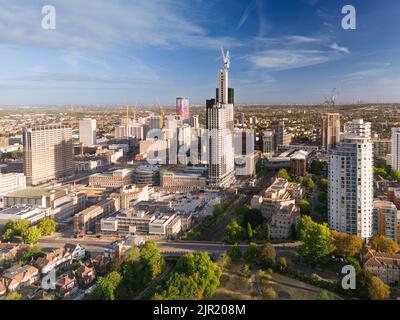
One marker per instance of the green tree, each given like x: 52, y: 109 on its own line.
x: 31, y: 235
x: 317, y: 167
x: 305, y: 207
x: 7, y: 234
x: 225, y: 261
x: 303, y: 227
x: 13, y: 296
x: 267, y: 233
x: 267, y: 256
x: 235, y: 253
x: 204, y: 275
x: 322, y: 197
x: 254, y: 217
x: 262, y: 277
x: 395, y: 175
x: 309, y: 184
x: 353, y: 262
x: 152, y: 261
x: 317, y: 241
x: 14, y: 228
x: 31, y: 254
x: 323, y: 184
x: 384, y: 244
x: 380, y: 172
x: 371, y: 287
x: 252, y: 252
x: 257, y: 233
x: 106, y: 286
x: 283, y: 174
x: 131, y: 269
x: 250, y: 233
x: 240, y: 214
x: 282, y: 264
x: 245, y: 272
x: 269, y: 294
x: 178, y: 287
x: 20, y: 226
x: 234, y: 232
x: 47, y: 226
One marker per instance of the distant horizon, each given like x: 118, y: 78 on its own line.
x: 115, y: 106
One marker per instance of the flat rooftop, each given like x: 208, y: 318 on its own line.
x: 29, y: 192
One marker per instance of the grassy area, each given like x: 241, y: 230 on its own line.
x: 234, y: 286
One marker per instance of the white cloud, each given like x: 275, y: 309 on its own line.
x: 338, y: 48
x: 276, y: 60
x: 302, y: 39
x: 98, y: 24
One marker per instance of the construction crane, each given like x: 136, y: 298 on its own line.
x: 227, y: 60
x: 331, y: 100
x: 127, y: 114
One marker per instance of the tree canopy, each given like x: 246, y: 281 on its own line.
x: 47, y: 226
x: 234, y: 232
x: 152, y: 261
x: 252, y: 253
x: 371, y: 287
x: 31, y: 235
x: 384, y: 244
x: 195, y: 276
x: 31, y: 254
x: 14, y: 228
x: 317, y: 241
x: 305, y: 206
x: 282, y: 173
x: 234, y: 252
x: 106, y: 286
x: 346, y: 245
x: 267, y: 255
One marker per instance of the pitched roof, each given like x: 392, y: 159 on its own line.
x: 83, y: 270
x: 65, y: 280
x: 50, y: 257
x: 380, y: 259
x: 20, y: 274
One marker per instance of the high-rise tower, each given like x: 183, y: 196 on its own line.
x: 330, y: 131
x: 396, y: 148
x: 351, y: 181
x: 219, y: 122
x: 47, y: 153
x: 87, y: 131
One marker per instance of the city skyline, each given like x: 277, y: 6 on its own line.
x: 151, y: 53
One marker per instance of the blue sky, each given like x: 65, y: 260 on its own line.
x: 150, y: 51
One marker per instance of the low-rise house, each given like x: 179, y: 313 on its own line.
x: 100, y: 264
x: 65, y: 285
x: 383, y: 265
x: 56, y: 259
x: 10, y: 253
x: 76, y: 251
x: 17, y: 277
x: 85, y: 275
